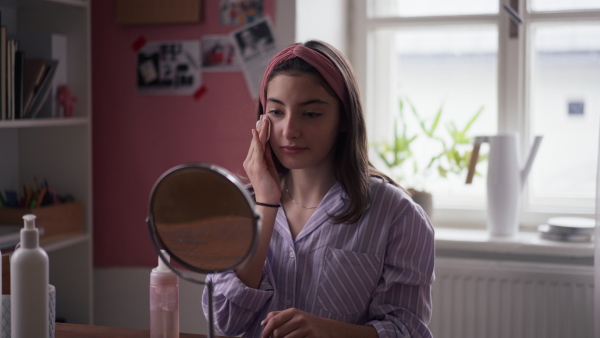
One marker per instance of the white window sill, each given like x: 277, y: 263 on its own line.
x: 476, y: 241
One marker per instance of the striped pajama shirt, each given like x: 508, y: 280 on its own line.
x: 375, y: 272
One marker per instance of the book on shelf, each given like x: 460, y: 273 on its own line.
x: 34, y: 70
x: 19, y: 78
x: 9, y: 85
x: 11, y: 47
x: 48, y: 46
x: 3, y: 76
x: 7, y: 80
x: 42, y: 91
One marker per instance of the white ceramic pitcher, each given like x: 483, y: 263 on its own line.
x: 505, y: 180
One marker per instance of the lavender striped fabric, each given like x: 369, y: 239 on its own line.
x: 376, y: 272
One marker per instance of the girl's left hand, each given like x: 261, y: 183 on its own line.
x: 293, y: 323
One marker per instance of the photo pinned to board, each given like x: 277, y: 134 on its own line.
x: 169, y: 67
x: 218, y: 54
x: 255, y: 45
x: 240, y: 12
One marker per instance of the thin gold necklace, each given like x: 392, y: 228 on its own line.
x: 298, y: 204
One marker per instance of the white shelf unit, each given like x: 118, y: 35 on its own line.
x: 58, y: 150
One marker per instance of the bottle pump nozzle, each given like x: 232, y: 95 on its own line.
x: 162, y: 267
x: 29, y: 234
x: 29, y: 221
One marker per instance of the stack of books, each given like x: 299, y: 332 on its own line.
x: 25, y: 83
x: 568, y: 229
x: 30, y: 74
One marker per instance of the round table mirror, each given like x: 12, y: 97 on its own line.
x: 204, y: 218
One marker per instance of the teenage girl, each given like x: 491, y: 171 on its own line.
x: 343, y: 250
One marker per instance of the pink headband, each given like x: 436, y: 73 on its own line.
x: 322, y: 64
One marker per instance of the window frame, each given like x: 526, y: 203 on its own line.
x: 513, y: 85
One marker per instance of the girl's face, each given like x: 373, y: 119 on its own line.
x: 305, y: 121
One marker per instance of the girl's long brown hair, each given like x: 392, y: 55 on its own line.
x: 351, y: 162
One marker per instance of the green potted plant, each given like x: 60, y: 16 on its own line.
x: 448, y: 154
x: 397, y: 153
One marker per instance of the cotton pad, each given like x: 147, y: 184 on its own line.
x: 264, y: 117
x: 268, y: 130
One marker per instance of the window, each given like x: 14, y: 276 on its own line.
x: 468, y: 62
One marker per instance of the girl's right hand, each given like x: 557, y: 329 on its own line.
x: 264, y: 178
x: 259, y: 165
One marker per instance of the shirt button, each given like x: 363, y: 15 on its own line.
x: 292, y: 255
x: 288, y: 302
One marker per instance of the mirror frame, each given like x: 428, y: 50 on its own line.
x: 159, y: 244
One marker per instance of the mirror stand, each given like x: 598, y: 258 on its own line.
x: 205, y: 220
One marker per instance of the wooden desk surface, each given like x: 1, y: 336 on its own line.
x: 88, y: 331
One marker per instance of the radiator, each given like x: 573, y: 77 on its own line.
x: 503, y: 299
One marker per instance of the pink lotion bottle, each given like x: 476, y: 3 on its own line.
x: 164, y: 301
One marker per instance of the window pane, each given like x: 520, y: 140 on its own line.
x: 560, y: 5
x: 565, y: 108
x: 408, y: 8
x: 449, y: 68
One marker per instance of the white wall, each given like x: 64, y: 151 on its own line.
x: 328, y: 23
x: 285, y: 22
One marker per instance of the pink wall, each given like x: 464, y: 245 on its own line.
x: 137, y: 137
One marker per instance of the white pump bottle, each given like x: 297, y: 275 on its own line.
x: 29, y: 285
x: 164, y: 301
